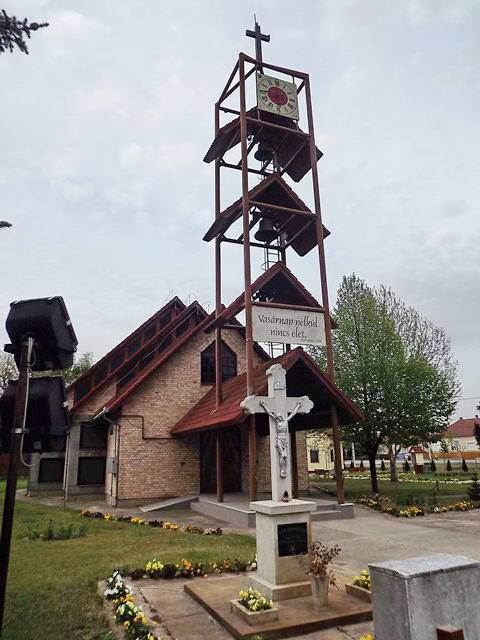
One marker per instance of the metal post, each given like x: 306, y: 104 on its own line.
x: 219, y: 456
x: 218, y: 278
x: 21, y: 400
x: 252, y: 432
x: 324, y: 286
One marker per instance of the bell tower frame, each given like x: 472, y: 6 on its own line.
x: 246, y: 121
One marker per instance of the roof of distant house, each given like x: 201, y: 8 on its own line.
x: 463, y: 427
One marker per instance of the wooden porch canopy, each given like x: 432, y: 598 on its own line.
x: 292, y: 148
x: 277, y: 285
x: 304, y: 377
x: 274, y: 199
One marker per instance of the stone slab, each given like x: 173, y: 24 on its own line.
x: 425, y: 565
x: 273, y: 507
x: 280, y: 591
x: 296, y: 616
x: 412, y: 597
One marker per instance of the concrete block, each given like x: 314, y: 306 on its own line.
x: 412, y: 597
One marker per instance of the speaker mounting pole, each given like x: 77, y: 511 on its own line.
x: 21, y: 400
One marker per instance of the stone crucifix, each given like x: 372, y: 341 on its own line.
x: 280, y: 409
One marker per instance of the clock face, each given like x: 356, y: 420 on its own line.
x: 277, y: 96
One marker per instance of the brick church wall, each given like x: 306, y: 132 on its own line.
x: 170, y: 467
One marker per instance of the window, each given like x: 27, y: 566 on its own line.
x: 51, y: 470
x: 207, y: 361
x: 91, y: 470
x: 313, y: 455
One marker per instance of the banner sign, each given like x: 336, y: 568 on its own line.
x: 289, y: 326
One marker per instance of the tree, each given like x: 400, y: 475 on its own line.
x: 464, y: 465
x: 80, y: 365
x: 13, y: 32
x: 449, y: 465
x: 4, y: 224
x: 387, y: 363
x: 8, y: 370
x: 476, y: 433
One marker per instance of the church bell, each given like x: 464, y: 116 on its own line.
x: 266, y: 232
x: 265, y: 152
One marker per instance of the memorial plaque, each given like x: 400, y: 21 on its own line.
x: 292, y: 539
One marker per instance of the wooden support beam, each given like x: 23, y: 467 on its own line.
x: 252, y: 458
x: 219, y: 455
x: 293, y: 453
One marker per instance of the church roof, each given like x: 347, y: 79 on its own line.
x: 137, y: 369
x: 299, y: 229
x: 306, y: 378
x: 292, y: 150
x: 126, y: 351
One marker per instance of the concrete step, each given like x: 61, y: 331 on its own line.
x: 236, y: 514
x: 328, y: 507
x: 338, y: 512
x: 170, y: 503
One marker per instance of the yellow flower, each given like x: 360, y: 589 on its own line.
x: 144, y: 620
x: 205, y: 575
x: 126, y: 623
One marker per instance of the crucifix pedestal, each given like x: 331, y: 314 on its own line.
x: 283, y: 525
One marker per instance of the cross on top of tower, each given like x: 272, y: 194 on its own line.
x: 259, y: 36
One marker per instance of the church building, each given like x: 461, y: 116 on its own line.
x: 145, y: 423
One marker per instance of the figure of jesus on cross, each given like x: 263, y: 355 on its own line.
x: 280, y: 409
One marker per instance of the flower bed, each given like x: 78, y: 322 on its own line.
x: 189, y: 528
x: 126, y: 611
x: 254, y: 608
x: 465, y: 505
x: 361, y: 587
x: 189, y: 569
x: 381, y: 504
x: 363, y: 580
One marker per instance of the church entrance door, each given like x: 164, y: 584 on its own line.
x: 232, y: 480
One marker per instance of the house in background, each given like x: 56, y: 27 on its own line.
x: 462, y: 434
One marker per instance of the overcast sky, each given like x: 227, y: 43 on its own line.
x: 105, y: 124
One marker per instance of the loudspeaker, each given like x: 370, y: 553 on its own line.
x: 46, y: 319
x: 47, y: 418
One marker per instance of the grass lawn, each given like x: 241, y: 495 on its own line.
x: 51, y: 591
x: 402, y: 493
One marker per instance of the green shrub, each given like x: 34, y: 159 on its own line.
x: 449, y: 465
x: 474, y: 487
x: 464, y: 465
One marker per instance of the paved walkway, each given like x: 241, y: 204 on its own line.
x: 372, y: 536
